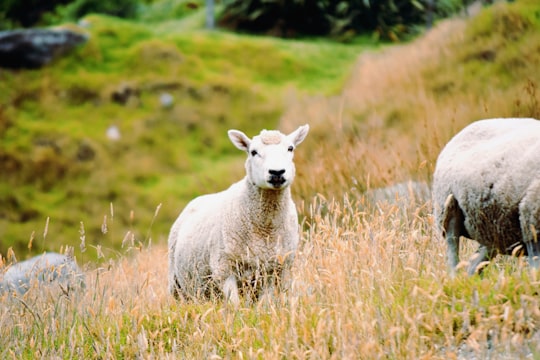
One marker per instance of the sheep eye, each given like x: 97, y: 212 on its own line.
x: 291, y: 148
x: 253, y: 152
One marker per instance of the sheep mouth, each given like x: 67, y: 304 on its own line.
x: 277, y: 181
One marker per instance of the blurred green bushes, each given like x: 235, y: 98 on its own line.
x: 29, y: 13
x: 25, y: 13
x: 387, y: 19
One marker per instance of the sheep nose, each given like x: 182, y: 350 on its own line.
x: 277, y: 172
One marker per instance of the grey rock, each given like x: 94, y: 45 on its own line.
x: 166, y: 100
x: 42, y: 270
x: 34, y: 48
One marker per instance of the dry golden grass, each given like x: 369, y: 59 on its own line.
x: 369, y: 282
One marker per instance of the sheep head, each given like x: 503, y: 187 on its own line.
x: 270, y: 156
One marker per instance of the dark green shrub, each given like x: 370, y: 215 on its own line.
x: 281, y: 18
x: 389, y: 19
x: 29, y: 13
x: 79, y: 8
x: 155, y: 11
x: 25, y: 13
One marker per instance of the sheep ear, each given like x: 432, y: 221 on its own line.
x: 299, y: 134
x: 239, y: 139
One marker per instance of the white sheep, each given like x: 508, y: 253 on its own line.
x: 240, y: 241
x: 486, y: 187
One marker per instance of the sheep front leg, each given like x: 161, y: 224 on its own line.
x: 284, y: 276
x: 278, y: 282
x: 224, y: 276
x: 269, y: 286
x: 230, y: 290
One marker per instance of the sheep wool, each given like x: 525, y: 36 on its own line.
x: 241, y: 241
x: 486, y: 187
x: 270, y: 137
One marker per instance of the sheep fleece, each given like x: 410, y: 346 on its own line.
x: 217, y: 236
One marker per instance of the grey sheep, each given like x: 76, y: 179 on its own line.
x: 486, y: 187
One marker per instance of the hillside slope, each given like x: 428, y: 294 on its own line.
x: 402, y: 104
x: 88, y: 144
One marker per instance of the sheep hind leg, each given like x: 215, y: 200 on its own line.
x: 175, y: 289
x: 453, y: 229
x: 529, y: 218
x: 533, y: 253
x: 480, y: 259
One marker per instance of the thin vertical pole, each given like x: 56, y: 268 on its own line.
x: 210, y: 14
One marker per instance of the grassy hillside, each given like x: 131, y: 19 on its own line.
x: 58, y: 163
x: 369, y: 281
x: 402, y: 105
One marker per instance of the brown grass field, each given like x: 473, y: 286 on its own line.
x: 370, y: 280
